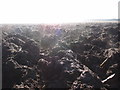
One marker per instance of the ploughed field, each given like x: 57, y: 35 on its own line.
x: 73, y: 56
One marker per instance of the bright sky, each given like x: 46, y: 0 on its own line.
x: 56, y: 11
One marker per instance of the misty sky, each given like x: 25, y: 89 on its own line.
x: 56, y: 11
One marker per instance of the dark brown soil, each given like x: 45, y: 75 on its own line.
x: 77, y: 56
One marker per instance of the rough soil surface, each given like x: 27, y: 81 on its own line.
x: 76, y: 56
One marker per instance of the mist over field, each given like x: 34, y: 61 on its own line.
x: 73, y: 56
